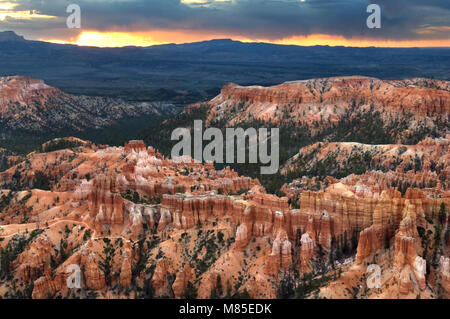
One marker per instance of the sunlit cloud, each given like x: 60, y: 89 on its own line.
x: 7, y: 9
x: 310, y: 22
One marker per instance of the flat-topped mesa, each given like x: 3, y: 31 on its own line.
x: 346, y: 212
x: 24, y: 90
x: 335, y: 97
x: 30, y: 106
x: 191, y: 210
x: 188, y: 211
x: 331, y: 102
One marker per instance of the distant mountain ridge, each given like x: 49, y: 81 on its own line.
x: 202, y: 68
x: 10, y: 36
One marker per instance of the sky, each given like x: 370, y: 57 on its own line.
x: 404, y: 23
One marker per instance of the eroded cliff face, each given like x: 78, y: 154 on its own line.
x: 24, y: 91
x: 31, y: 106
x: 132, y: 223
x: 429, y: 156
x: 321, y: 104
x: 331, y: 98
x: 128, y: 217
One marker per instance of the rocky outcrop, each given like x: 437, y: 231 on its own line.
x: 125, y: 272
x: 325, y: 232
x: 43, y: 288
x: 428, y: 156
x: 444, y: 272
x: 94, y: 277
x: 182, y: 279
x: 106, y: 206
x: 329, y: 99
x: 24, y: 90
x: 366, y: 245
x: 307, y: 252
x: 35, y: 260
x: 30, y: 105
x: 406, y: 248
x: 242, y: 237
x: 280, y: 257
x: 160, y: 278
x: 166, y: 216
x: 135, y: 146
x: 405, y: 280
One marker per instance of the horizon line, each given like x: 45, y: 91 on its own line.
x: 284, y: 42
x: 240, y: 41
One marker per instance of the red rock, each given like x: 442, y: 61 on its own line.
x: 281, y: 256
x: 43, y: 288
x: 105, y: 204
x: 325, y: 232
x: 181, y: 281
x: 93, y: 275
x: 135, y: 146
x: 125, y: 272
x: 444, y: 271
x: 23, y: 90
x: 160, y: 281
x: 242, y: 237
x: 366, y: 244
x: 405, y: 282
x: 329, y: 99
x: 34, y: 260
x: 274, y: 236
x: 307, y: 252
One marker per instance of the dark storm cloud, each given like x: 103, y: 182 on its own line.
x: 270, y: 19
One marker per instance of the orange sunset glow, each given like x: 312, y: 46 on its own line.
x: 427, y: 34
x: 148, y: 38
x: 6, y: 10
